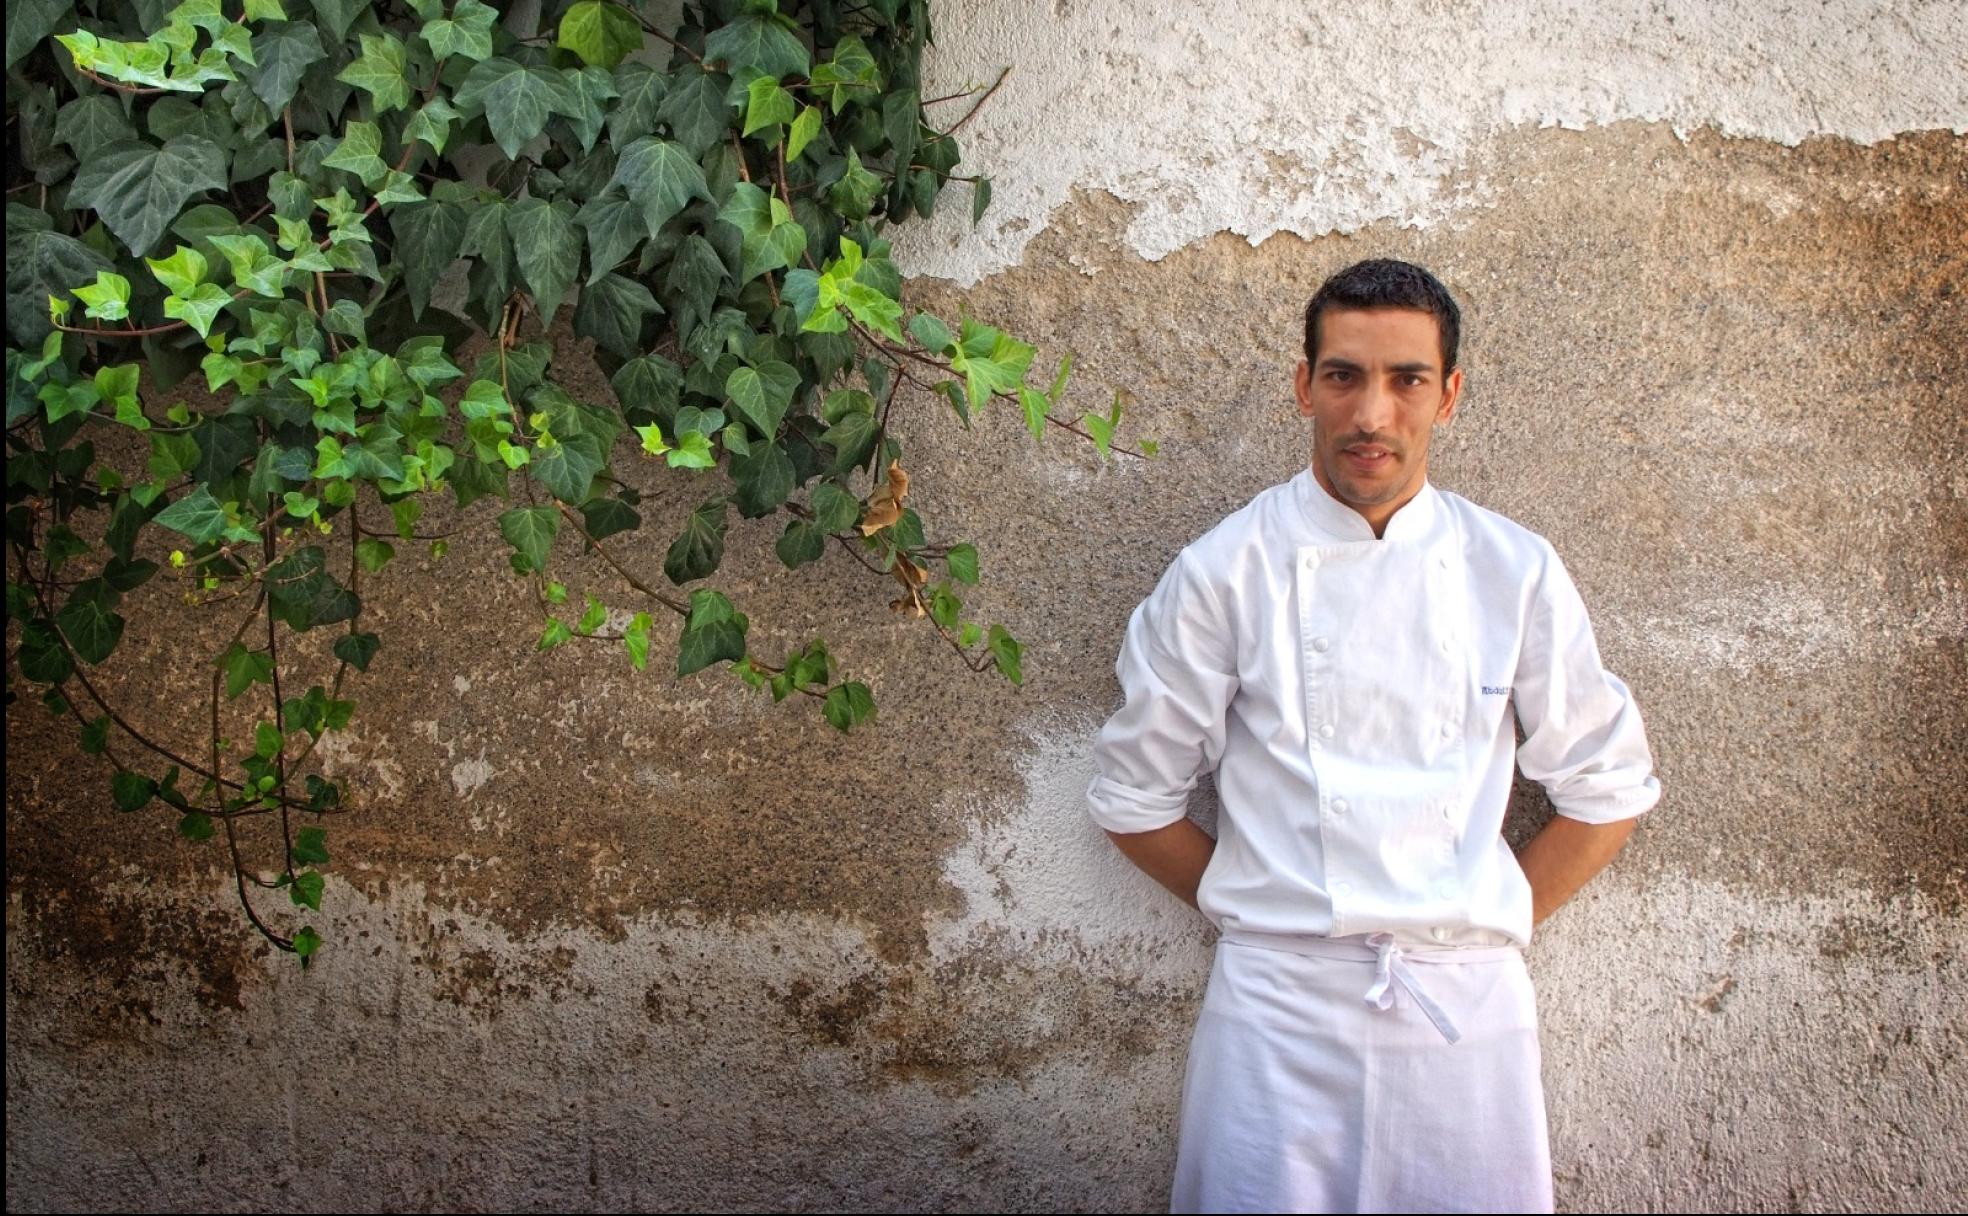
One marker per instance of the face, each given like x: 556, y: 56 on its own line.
x: 1374, y: 398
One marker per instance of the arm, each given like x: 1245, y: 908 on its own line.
x: 1177, y: 669
x: 1564, y: 855
x: 1583, y: 741
x: 1174, y: 856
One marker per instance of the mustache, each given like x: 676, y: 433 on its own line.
x: 1371, y: 437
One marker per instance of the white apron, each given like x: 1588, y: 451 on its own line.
x: 1334, y: 1075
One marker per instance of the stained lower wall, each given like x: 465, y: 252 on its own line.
x: 597, y: 939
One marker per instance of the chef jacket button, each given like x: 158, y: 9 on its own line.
x: 1447, y: 730
x: 1320, y: 645
x: 1326, y: 731
x: 1310, y: 562
x: 1439, y: 934
x: 1445, y: 645
x: 1442, y: 560
x: 1448, y: 810
x: 1339, y: 806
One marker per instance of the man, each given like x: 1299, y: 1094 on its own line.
x: 1348, y: 650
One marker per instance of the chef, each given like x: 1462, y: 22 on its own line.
x: 1354, y: 653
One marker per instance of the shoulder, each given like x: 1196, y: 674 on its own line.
x: 1497, y: 543
x: 1263, y: 525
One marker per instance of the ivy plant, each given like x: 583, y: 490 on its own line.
x: 307, y: 209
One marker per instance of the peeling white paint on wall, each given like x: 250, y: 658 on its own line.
x: 1687, y: 1031
x: 1369, y: 112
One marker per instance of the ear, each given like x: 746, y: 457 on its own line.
x: 1451, y: 397
x: 1302, y: 388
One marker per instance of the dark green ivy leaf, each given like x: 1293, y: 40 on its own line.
x: 285, y: 50
x: 428, y: 238
x: 42, y: 657
x: 86, y: 621
x: 131, y: 791
x: 310, y: 847
x: 758, y: 40
x: 764, y: 477
x: 697, y: 552
x: 548, y: 247
x: 714, y: 630
x: 517, y: 100
x: 800, y: 543
x: 614, y: 225
x: 612, y: 313
x: 42, y: 264
x: 356, y: 649
x: 138, y: 189
x: 604, y: 517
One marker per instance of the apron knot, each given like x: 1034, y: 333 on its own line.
x: 1391, y: 967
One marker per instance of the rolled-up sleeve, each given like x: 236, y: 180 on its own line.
x: 1178, y: 673
x: 1583, y: 739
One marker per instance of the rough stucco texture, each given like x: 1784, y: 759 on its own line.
x: 598, y: 940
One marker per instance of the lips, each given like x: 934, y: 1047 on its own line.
x: 1368, y: 457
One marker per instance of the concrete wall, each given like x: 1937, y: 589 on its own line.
x: 593, y: 943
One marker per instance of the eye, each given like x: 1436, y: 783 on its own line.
x: 1414, y: 380
x: 1339, y: 375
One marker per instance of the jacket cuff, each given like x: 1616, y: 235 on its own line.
x: 1120, y: 808
x: 1610, y: 808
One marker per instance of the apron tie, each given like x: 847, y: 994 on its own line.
x: 1390, y: 966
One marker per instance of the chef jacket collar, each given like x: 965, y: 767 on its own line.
x: 1342, y: 523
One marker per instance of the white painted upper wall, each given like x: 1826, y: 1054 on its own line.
x: 1258, y: 116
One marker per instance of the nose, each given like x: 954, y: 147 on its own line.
x: 1376, y: 409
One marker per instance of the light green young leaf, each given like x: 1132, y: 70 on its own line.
x: 601, y: 33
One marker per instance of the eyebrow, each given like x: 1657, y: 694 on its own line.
x: 1334, y: 361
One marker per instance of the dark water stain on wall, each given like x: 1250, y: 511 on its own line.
x: 1723, y: 377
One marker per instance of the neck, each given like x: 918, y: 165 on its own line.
x: 1377, y: 515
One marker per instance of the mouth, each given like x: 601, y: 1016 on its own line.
x: 1368, y: 457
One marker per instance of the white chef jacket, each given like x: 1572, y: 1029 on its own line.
x: 1355, y: 696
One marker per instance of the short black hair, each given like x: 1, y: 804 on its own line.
x: 1386, y: 283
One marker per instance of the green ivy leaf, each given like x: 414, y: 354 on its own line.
x: 548, y: 246
x: 1007, y: 652
x: 615, y: 226
x: 356, y: 649
x: 380, y: 70
x: 962, y: 560
x: 200, y: 308
x: 662, y: 177
x: 86, y: 620
x: 131, y: 791
x: 244, y: 668
x: 763, y: 393
x: 612, y: 312
x: 636, y: 638
x: 767, y: 105
x: 764, y: 478
x: 467, y: 33
x: 530, y: 531
x: 197, y: 515
x: 600, y: 33
x: 516, y: 100
x: 712, y: 631
x: 694, y: 109
x: 697, y: 551
x: 310, y: 847
x: 306, y: 944
x: 195, y: 825
x: 758, y: 40
x: 89, y: 123
x: 802, y: 132
x: 429, y: 237
x: 283, y: 53
x: 306, y: 890
x: 800, y: 543
x: 848, y: 705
